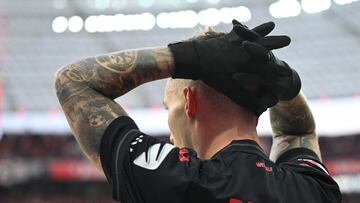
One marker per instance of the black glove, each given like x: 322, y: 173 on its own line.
x: 282, y: 79
x: 223, y: 54
x: 219, y: 60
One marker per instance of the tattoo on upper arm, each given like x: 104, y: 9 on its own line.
x: 293, y: 126
x: 284, y: 143
x: 86, y: 90
x: 89, y: 114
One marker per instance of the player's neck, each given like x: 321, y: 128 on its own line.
x: 210, y: 141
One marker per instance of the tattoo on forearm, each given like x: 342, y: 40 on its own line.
x: 293, y: 126
x: 292, y: 118
x: 118, y: 63
x: 86, y: 89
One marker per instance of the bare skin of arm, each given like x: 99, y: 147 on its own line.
x: 293, y: 126
x: 86, y: 90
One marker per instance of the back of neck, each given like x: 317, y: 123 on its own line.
x: 210, y: 141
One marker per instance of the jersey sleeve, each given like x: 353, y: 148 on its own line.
x: 140, y: 167
x: 305, y: 176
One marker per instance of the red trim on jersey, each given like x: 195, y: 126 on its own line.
x: 314, y: 163
x: 183, y: 154
x: 262, y: 165
x: 233, y: 200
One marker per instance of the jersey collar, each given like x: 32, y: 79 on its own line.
x: 248, y: 146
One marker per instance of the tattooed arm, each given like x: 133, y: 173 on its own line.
x: 86, y: 90
x: 293, y: 126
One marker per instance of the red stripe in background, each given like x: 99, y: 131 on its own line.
x: 343, y: 166
x: 2, y: 36
x: 67, y: 170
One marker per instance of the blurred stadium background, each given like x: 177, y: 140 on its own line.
x: 40, y: 160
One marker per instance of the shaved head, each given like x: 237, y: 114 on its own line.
x: 216, y: 99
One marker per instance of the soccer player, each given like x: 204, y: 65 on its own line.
x: 221, y: 83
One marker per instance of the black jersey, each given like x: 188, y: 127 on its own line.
x: 140, y: 168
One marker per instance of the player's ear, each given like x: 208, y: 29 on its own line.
x: 190, y: 102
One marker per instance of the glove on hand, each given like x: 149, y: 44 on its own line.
x: 222, y: 62
x: 277, y: 74
x: 222, y: 54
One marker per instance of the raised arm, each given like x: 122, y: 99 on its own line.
x: 293, y: 126
x: 86, y: 90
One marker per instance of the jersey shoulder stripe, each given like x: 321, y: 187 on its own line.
x: 154, y: 156
x: 312, y: 162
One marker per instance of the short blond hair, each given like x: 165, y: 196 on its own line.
x: 206, y: 33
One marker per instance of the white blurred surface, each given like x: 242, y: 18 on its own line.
x: 335, y: 117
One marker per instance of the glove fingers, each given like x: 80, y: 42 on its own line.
x: 248, y: 79
x: 282, y: 70
x: 290, y: 86
x: 235, y: 22
x: 256, y: 51
x: 245, y: 33
x: 264, y: 29
x: 284, y: 80
x: 274, y: 42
